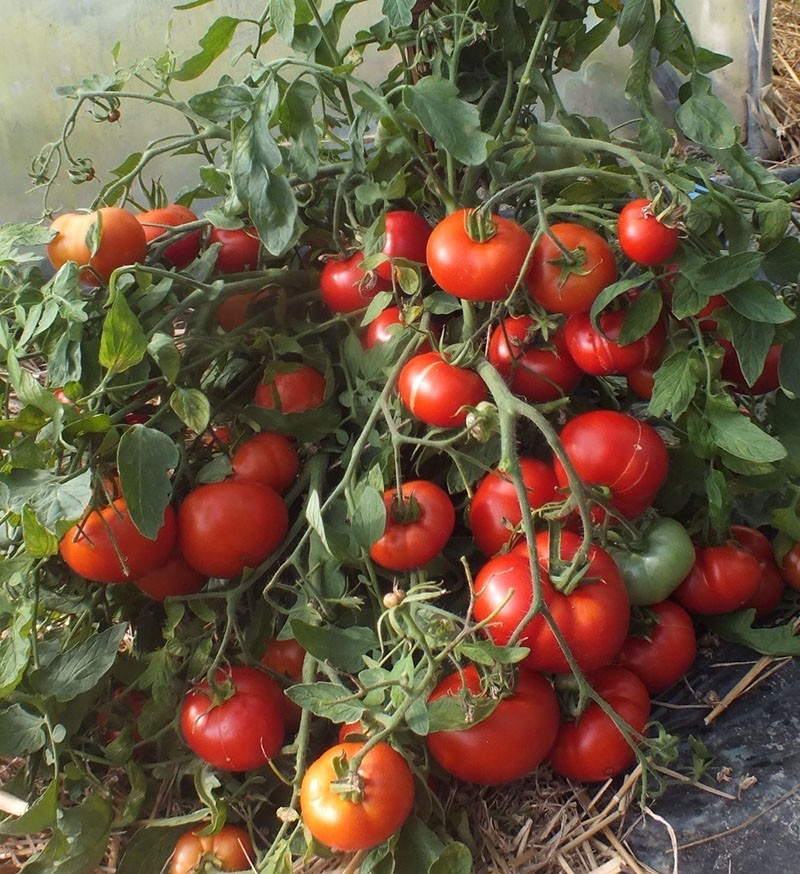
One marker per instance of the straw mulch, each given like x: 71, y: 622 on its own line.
x: 785, y: 98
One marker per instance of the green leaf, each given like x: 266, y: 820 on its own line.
x: 721, y: 275
x: 737, y: 434
x: 789, y: 366
x: 611, y: 292
x: 80, y: 668
x: 282, y: 16
x: 39, y: 542
x: 40, y: 815
x: 487, y: 653
x: 641, y: 316
x: 418, y: 847
x: 223, y: 104
x: 164, y: 352
x: 706, y: 120
x: 145, y: 458
x: 149, y: 849
x: 21, y: 732
x: 122, y: 343
x: 455, y: 858
x: 752, y: 341
x: 453, y: 123
x: 737, y: 627
x: 632, y: 14
x: 756, y: 301
x: 308, y: 426
x: 773, y: 221
x: 330, y: 700
x: 298, y: 126
x: 343, y: 647
x: 449, y: 712
x: 720, y: 500
x: 782, y: 264
x: 15, y: 647
x: 314, y: 517
x: 369, y: 516
x: 398, y: 12
x: 215, y: 41
x: 676, y: 382
x: 192, y: 408
x: 56, y: 503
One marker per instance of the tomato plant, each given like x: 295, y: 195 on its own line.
x: 185, y: 249
x: 356, y: 811
x: 644, y: 237
x: 437, y: 392
x: 237, y: 724
x: 229, y: 849
x: 509, y: 743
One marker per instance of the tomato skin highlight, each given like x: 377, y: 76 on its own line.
x: 538, y: 372
x: 224, y: 527
x: 349, y: 826
x: 436, y: 392
x: 239, y: 249
x: 122, y: 242
x: 292, y: 391
x: 240, y: 733
x: 592, y: 749
x: 230, y: 849
x: 599, y: 352
x: 184, y: 250
x: 406, y: 236
x: 510, y: 743
x: 667, y: 652
x: 618, y: 451
x: 593, y: 618
x: 267, y: 458
x: 412, y: 544
x: 495, y: 509
x: 90, y: 546
x: 642, y: 237
x: 474, y: 270
x: 575, y: 291
x: 722, y: 579
x: 345, y: 287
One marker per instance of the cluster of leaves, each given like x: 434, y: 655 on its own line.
x: 313, y: 155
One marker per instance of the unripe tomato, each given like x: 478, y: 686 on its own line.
x: 184, y: 250
x: 239, y: 250
x: 122, y: 242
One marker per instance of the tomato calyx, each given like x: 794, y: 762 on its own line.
x: 573, y: 696
x: 405, y: 509
x: 664, y: 210
x: 349, y: 784
x: 479, y: 226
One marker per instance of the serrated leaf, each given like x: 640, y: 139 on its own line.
x: 80, y: 668
x: 122, y: 343
x: 611, y: 292
x: 145, y: 458
x: 343, y: 647
x: 448, y: 713
x: 752, y: 341
x: 192, y: 407
x: 15, y: 648
x: 39, y: 542
x: 330, y: 700
x: 21, y: 732
x: 756, y: 301
x: 706, y: 120
x: 773, y: 221
x: 641, y: 316
x: 55, y: 502
x: 223, y: 104
x: 398, y: 12
x: 676, y: 382
x: 631, y: 17
x: 213, y: 43
x: 740, y: 436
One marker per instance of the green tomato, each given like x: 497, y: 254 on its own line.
x: 660, y: 561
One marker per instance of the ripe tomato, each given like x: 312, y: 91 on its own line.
x: 644, y: 238
x: 389, y: 324
x: 495, y: 514
x: 562, y: 287
x: 239, y: 249
x: 184, y: 250
x: 230, y: 849
x: 236, y: 309
x: 790, y: 567
x: 591, y: 748
x: 617, y: 451
x: 599, y: 352
x: 293, y: 391
x: 767, y: 381
x: 539, y: 371
x: 175, y: 577
x: 513, y: 740
x: 227, y: 526
x: 416, y: 528
x: 641, y: 380
x: 345, y: 287
x: 267, y: 458
x: 473, y: 269
x: 437, y: 392
x: 593, y: 618
x: 382, y: 797
x: 238, y: 732
x: 286, y: 658
x: 406, y: 237
x: 122, y: 242
x: 94, y: 547
x: 770, y: 587
x: 722, y: 579
x: 663, y: 648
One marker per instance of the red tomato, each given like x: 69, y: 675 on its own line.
x: 641, y: 380
x: 227, y: 526
x: 239, y: 249
x: 230, y: 849
x: 388, y: 325
x: 592, y: 749
x: 495, y: 514
x: 617, y: 451
x: 406, y: 237
x: 510, y: 743
x: 286, y: 658
x: 267, y: 458
x: 561, y: 287
x: 122, y: 711
x: 122, y: 242
x: 790, y: 566
x: 472, y: 269
x: 175, y: 577
x: 238, y: 732
x: 383, y: 791
x: 93, y: 547
x: 345, y: 287
x: 185, y: 248
x: 437, y: 392
x: 770, y: 587
x: 593, y: 618
x: 292, y: 391
x: 538, y: 370
x: 600, y: 353
x: 666, y: 649
x: 769, y: 378
x: 236, y: 309
x: 715, y: 302
x: 644, y: 238
x: 723, y: 579
x: 416, y: 529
